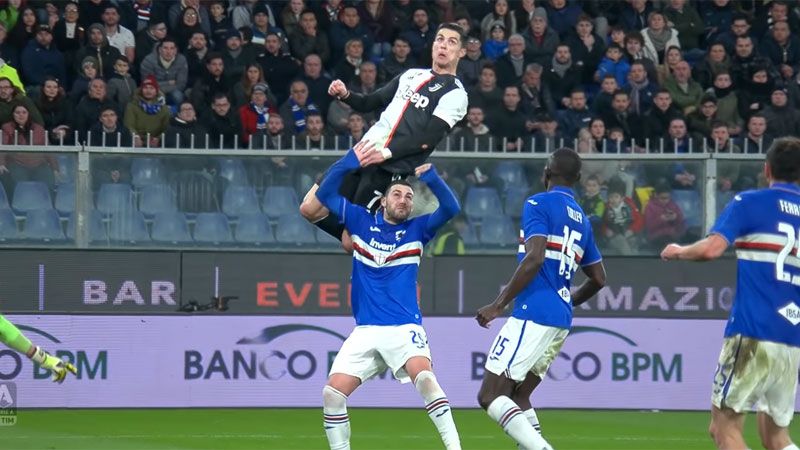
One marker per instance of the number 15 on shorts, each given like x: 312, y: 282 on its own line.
x: 498, y: 347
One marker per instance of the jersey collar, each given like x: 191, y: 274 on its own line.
x: 791, y: 187
x: 563, y: 190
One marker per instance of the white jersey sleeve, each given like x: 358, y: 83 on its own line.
x: 452, y: 106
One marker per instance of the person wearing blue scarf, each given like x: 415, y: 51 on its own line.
x: 297, y: 106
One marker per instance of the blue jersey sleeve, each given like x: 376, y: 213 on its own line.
x: 733, y: 220
x: 328, y: 192
x: 591, y: 255
x: 535, y: 220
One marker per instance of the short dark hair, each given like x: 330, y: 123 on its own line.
x: 462, y: 35
x: 620, y: 92
x: 401, y: 182
x: 218, y: 96
x: 718, y: 124
x: 757, y: 115
x: 565, y: 163
x: 212, y: 56
x: 783, y: 158
x: 664, y: 91
x: 577, y: 90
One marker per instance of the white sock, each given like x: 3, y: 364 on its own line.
x: 791, y: 446
x: 514, y: 423
x: 335, y: 418
x: 438, y: 408
x: 530, y: 414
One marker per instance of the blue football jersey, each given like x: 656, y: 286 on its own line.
x: 570, y: 244
x: 764, y: 227
x: 386, y: 261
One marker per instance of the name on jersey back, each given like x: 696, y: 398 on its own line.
x: 789, y: 208
x: 574, y: 215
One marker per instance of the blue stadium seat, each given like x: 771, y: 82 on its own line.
x: 233, y: 171
x: 254, y: 228
x: 8, y: 226
x: 43, y: 225
x: 691, y: 206
x: 3, y: 198
x: 128, y: 227
x: 115, y: 197
x: 31, y: 195
x: 65, y: 198
x: 514, y: 201
x: 510, y: 174
x: 294, y: 229
x: 326, y: 240
x: 171, y: 227
x: 280, y: 200
x: 67, y: 168
x: 482, y: 202
x: 238, y: 200
x: 212, y: 228
x: 147, y: 171
x: 470, y: 237
x: 498, y: 231
x: 97, y: 229
x: 157, y: 198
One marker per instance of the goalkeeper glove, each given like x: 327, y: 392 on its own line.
x: 58, y: 367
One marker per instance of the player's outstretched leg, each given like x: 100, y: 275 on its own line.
x: 436, y: 403
x: 726, y: 429
x: 522, y: 397
x: 494, y: 398
x: 12, y: 337
x: 774, y: 436
x: 334, y: 409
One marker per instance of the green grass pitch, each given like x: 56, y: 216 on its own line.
x: 384, y: 429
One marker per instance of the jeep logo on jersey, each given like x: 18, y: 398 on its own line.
x: 419, y: 101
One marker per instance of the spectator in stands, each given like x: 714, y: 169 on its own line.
x: 219, y: 22
x: 89, y: 71
x: 469, y: 66
x: 450, y: 240
x: 338, y: 116
x: 634, y: 52
x: 598, y: 137
x: 242, y: 14
x: 686, y: 22
x: 350, y: 27
x: 297, y: 107
x: 686, y: 93
x: 262, y: 26
x: 716, y: 61
x: 778, y: 11
x: 290, y: 15
x: 108, y: 132
x: 602, y: 100
x: 613, y: 64
x: 92, y: 11
x: 213, y: 81
x: 377, y: 17
x: 170, y: 70
x: 754, y: 95
x: 315, y: 136
x: 663, y: 218
x: 619, y: 116
x: 221, y: 122
x: 356, y: 127
x: 176, y: 12
x: 148, y: 39
x: 17, y: 167
x: 235, y: 56
x: 622, y: 221
x: 254, y: 115
x: 740, y: 26
x: 56, y: 111
x: 41, y: 59
x: 121, y: 86
x: 195, y: 55
x: 511, y: 66
x: 657, y: 119
x: 316, y: 81
x: 782, y: 119
x: 586, y: 48
x: 97, y: 46
x: 147, y: 115
x: 279, y: 68
x: 118, y: 36
x: 756, y: 139
x: 243, y: 89
x: 540, y: 40
x: 10, y: 13
x: 486, y: 93
x: 475, y: 136
x: 25, y: 28
x: 399, y: 60
x: 746, y: 61
x: 367, y: 80
x: 139, y: 14
x: 562, y: 16
x: 347, y: 69
x: 782, y: 48
x: 547, y: 138
x: 330, y: 11
x: 700, y: 120
x: 680, y: 141
x: 308, y: 39
x: 497, y: 43
x: 22, y: 130
x: 640, y: 88
x: 577, y: 114
x: 536, y: 96
x: 184, y: 131
x: 592, y: 203
x: 717, y: 17
x: 7, y: 51
x: 502, y: 15
x: 189, y: 25
x: 277, y: 138
x: 665, y: 71
x: 635, y: 14
x: 727, y: 101
x: 10, y: 97
x: 523, y: 13
x: 727, y: 174
x: 508, y: 121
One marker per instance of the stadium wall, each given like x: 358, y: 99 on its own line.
x: 282, y: 361
x: 125, y: 282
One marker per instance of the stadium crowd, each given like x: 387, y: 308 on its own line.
x: 601, y: 76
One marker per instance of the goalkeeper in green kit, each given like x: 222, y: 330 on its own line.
x: 12, y: 337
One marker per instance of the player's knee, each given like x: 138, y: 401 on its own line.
x: 332, y: 398
x: 775, y: 441
x: 426, y: 383
x: 485, y: 398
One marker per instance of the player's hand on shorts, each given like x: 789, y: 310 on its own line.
x: 671, y: 251
x: 59, y: 368
x: 487, y: 314
x: 337, y: 89
x: 422, y: 169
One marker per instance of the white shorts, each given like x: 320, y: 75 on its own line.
x: 370, y: 349
x: 524, y: 346
x: 759, y: 374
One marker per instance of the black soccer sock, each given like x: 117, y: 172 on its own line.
x: 331, y: 225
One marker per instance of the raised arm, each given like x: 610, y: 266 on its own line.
x: 328, y: 192
x: 448, y: 203
x: 365, y: 102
